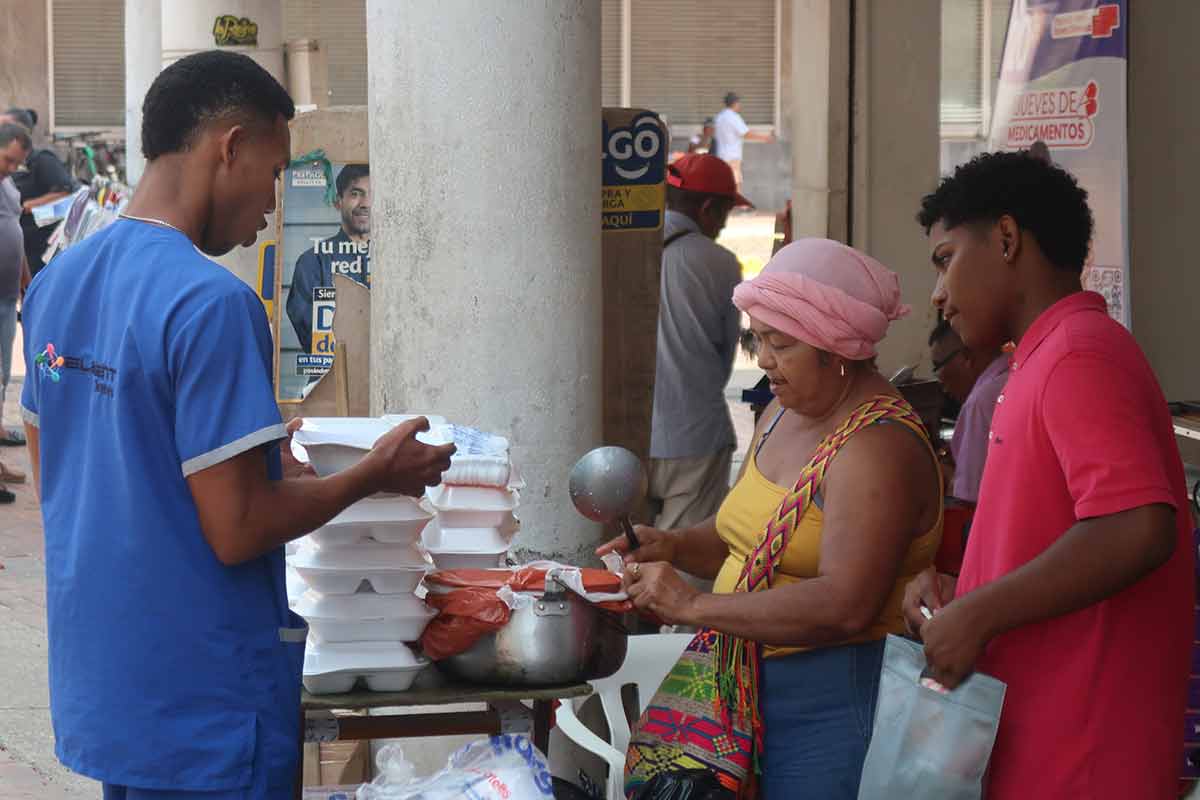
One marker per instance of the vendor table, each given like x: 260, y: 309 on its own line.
x: 506, y: 713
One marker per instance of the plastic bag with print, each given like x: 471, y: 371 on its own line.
x: 497, y: 768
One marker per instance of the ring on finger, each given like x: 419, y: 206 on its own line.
x: 635, y: 568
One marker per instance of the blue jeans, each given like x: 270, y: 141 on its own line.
x: 818, y: 708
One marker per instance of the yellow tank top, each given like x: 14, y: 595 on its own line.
x: 743, y: 517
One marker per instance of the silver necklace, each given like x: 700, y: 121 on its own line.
x: 150, y: 221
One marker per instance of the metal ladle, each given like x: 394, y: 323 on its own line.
x: 606, y: 485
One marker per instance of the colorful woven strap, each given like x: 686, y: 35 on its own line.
x: 738, y: 660
x: 762, y: 562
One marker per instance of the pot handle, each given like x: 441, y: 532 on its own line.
x: 560, y: 589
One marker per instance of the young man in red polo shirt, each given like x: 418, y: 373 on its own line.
x: 1077, y: 585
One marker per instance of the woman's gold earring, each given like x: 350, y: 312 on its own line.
x: 843, y: 369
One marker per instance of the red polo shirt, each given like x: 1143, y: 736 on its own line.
x: 1095, y: 700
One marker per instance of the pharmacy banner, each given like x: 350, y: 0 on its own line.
x: 1063, y: 83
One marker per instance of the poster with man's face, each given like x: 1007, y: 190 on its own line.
x: 322, y: 237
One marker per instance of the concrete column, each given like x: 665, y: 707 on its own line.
x: 897, y: 69
x: 860, y: 179
x: 143, y: 62
x: 485, y: 301
x: 819, y: 31
x: 1164, y: 284
x: 187, y: 29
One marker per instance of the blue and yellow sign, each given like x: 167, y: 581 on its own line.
x: 266, y: 276
x: 323, y: 345
x: 634, y: 169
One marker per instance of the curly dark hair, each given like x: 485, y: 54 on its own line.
x: 1044, y: 199
x: 349, y: 174
x: 204, y: 87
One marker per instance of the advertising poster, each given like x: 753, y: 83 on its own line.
x: 633, y: 174
x: 325, y: 233
x: 1064, y: 82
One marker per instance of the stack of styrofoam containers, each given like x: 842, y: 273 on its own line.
x: 361, y: 573
x: 475, y: 521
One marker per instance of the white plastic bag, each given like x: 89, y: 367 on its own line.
x: 929, y: 742
x: 498, y: 768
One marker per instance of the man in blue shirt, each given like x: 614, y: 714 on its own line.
x: 347, y: 252
x: 153, y: 431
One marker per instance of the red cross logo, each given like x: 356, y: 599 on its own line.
x: 1107, y: 18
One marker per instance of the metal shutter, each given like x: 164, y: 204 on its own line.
x: 686, y: 54
x: 962, y: 62
x: 610, y: 52
x: 341, y: 28
x: 89, y: 63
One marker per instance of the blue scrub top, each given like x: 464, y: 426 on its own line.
x: 168, y: 669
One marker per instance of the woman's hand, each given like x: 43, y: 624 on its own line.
x: 656, y: 545
x: 931, y: 589
x: 657, y: 588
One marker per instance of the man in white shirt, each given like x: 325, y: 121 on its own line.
x: 730, y: 132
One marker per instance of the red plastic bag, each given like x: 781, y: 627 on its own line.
x: 525, y: 579
x: 465, y: 616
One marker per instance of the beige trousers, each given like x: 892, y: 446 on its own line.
x: 687, y: 491
x: 736, y: 166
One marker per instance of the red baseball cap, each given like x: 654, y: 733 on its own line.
x: 701, y: 172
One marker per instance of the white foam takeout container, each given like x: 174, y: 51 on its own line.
x: 440, y: 536
x: 332, y: 444
x: 473, y: 506
x: 389, y: 569
x: 364, y: 617
x: 382, y: 666
x: 467, y: 559
x: 389, y: 519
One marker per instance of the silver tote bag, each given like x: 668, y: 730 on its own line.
x: 929, y: 743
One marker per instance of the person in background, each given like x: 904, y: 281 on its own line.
x: 154, y: 439
x: 691, y: 433
x: 868, y: 514
x: 974, y: 380
x: 347, y: 252
x: 730, y: 131
x: 1077, y: 588
x: 44, y: 180
x: 702, y: 142
x: 15, y: 146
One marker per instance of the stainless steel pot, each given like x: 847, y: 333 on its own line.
x: 559, y: 639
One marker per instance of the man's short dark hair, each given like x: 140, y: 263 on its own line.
x: 731, y: 98
x: 202, y: 88
x: 11, y: 131
x: 23, y: 116
x: 349, y: 174
x: 940, y: 331
x: 690, y: 203
x: 1044, y: 199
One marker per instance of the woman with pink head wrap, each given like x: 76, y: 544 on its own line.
x: 838, y: 505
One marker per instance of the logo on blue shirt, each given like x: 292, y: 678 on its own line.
x: 51, y: 364
x: 48, y: 362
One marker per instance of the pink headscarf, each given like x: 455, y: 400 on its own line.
x: 826, y: 295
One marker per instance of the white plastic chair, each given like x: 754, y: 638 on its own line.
x: 647, y: 662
